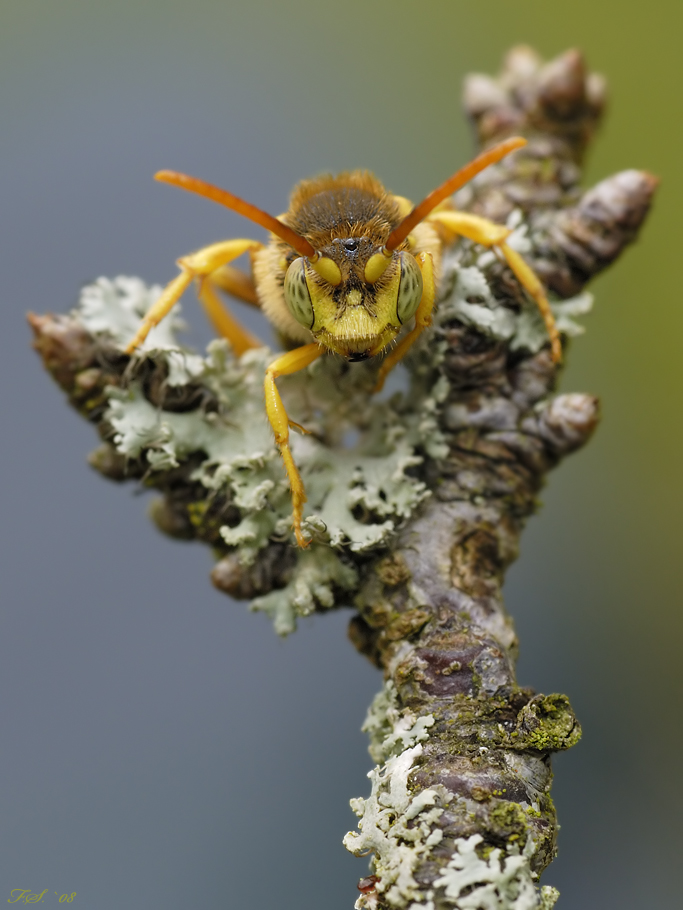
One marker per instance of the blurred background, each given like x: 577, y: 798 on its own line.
x: 162, y: 749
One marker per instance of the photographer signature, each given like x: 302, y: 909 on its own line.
x: 27, y: 896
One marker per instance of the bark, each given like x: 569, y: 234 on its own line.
x: 460, y: 814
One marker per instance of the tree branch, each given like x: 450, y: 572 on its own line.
x: 418, y: 516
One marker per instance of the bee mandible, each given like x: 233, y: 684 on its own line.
x: 345, y: 269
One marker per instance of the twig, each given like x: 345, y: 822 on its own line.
x: 417, y: 520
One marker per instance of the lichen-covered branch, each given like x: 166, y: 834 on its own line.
x: 416, y: 501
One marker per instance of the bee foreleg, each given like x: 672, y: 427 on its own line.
x: 489, y: 234
x: 291, y: 362
x: 423, y: 318
x: 201, y: 265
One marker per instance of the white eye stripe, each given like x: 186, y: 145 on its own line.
x: 409, y: 288
x: 297, y: 296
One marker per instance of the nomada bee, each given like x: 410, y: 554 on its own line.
x: 346, y: 268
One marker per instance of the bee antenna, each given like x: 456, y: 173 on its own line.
x: 454, y: 183
x: 193, y: 185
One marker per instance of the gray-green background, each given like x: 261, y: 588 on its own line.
x: 161, y: 749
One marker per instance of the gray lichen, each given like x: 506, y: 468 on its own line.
x: 395, y: 826
x: 398, y: 828
x: 497, y: 882
x: 317, y: 578
x: 358, y: 495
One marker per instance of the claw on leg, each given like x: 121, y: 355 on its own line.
x: 288, y: 363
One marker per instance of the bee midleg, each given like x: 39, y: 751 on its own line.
x: 236, y: 283
x: 490, y: 234
x: 423, y: 318
x: 223, y: 321
x: 200, y: 266
x: 291, y: 362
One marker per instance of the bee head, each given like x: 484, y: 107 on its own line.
x: 354, y: 296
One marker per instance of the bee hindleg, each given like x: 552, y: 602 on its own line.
x: 201, y: 265
x: 489, y: 234
x: 291, y: 362
x: 423, y: 318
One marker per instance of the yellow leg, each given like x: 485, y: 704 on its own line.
x: 223, y: 321
x: 198, y: 265
x: 530, y: 281
x: 489, y: 234
x: 423, y: 318
x: 291, y: 362
x: 237, y: 283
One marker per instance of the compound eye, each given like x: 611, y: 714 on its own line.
x: 297, y: 295
x: 409, y: 288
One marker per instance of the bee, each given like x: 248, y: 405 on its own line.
x: 347, y: 267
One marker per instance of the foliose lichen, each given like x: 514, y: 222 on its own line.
x: 359, y: 492
x: 394, y: 825
x: 398, y: 828
x: 499, y: 881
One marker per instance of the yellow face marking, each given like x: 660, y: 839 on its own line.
x: 356, y: 334
x: 357, y: 325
